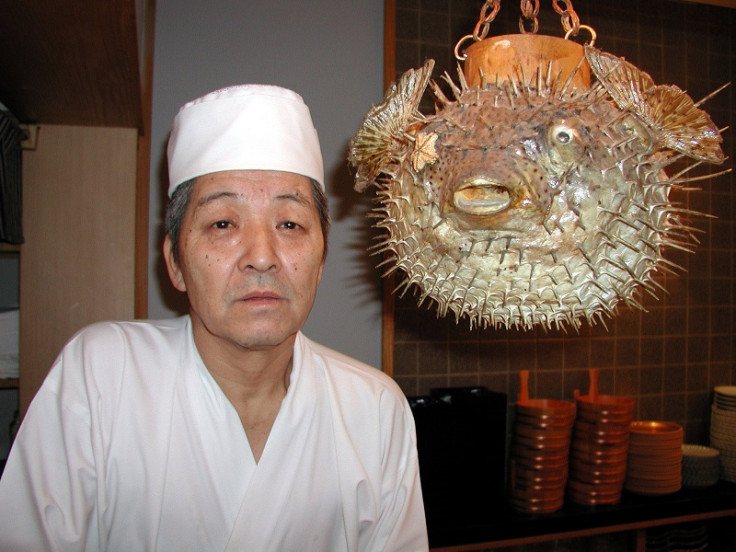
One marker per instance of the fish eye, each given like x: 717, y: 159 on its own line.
x: 563, y: 137
x: 562, y: 134
x: 566, y: 145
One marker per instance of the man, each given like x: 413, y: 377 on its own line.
x: 226, y: 429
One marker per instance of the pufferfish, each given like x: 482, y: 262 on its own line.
x: 522, y: 203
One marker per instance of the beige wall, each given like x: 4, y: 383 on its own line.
x: 331, y: 52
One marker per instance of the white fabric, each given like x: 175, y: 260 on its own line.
x: 130, y: 445
x: 250, y: 126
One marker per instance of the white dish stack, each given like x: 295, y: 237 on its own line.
x: 687, y: 537
x: 723, y: 428
x: 701, y: 466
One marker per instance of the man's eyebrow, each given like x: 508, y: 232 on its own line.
x: 209, y: 198
x: 297, y: 197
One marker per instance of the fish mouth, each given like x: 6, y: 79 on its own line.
x: 481, y: 197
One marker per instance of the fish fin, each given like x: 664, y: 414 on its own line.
x: 685, y: 127
x: 425, y: 150
x: 666, y: 109
x: 624, y: 82
x: 371, y: 147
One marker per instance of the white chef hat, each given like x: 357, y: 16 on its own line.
x: 250, y: 126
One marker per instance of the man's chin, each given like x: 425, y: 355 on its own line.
x: 264, y: 340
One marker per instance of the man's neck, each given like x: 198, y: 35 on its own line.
x: 256, y: 397
x: 254, y: 381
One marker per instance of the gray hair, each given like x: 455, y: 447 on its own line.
x: 179, y: 203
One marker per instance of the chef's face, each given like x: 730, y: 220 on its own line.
x: 250, y: 257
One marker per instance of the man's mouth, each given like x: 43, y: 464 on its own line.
x: 261, y: 297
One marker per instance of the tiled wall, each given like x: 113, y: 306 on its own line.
x: 668, y: 358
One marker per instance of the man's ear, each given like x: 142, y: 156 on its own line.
x: 175, y: 275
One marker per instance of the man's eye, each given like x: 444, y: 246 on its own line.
x: 221, y: 224
x: 289, y: 225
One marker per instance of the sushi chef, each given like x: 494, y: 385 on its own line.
x: 226, y: 429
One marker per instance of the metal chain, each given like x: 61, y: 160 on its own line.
x: 488, y: 13
x: 529, y: 12
x: 570, y: 19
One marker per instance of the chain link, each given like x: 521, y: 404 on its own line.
x: 528, y: 22
x: 529, y: 12
x: 488, y: 13
x: 570, y: 19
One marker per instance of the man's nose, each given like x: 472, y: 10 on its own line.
x: 258, y: 250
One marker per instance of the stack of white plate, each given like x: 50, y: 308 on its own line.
x: 679, y: 538
x: 723, y: 429
x: 701, y: 466
x: 724, y: 397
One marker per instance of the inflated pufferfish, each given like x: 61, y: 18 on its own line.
x: 522, y: 203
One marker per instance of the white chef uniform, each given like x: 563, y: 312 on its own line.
x: 130, y: 445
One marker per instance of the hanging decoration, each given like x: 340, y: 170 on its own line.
x: 537, y: 194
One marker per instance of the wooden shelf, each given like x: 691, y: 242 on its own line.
x: 635, y: 514
x: 9, y: 248
x: 9, y: 383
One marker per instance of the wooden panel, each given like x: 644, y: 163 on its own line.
x: 147, y: 24
x: 720, y: 3
x: 388, y: 283
x: 77, y: 262
x: 71, y: 62
x: 593, y: 530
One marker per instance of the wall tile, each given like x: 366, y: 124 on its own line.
x: 650, y: 407
x: 463, y: 358
x: 406, y: 359
x: 651, y: 381
x: 433, y: 358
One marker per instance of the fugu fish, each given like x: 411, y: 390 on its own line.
x: 522, y: 203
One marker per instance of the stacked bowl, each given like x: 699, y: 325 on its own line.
x: 701, y: 466
x: 723, y: 429
x: 538, y: 456
x: 599, y: 449
x: 655, y: 458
